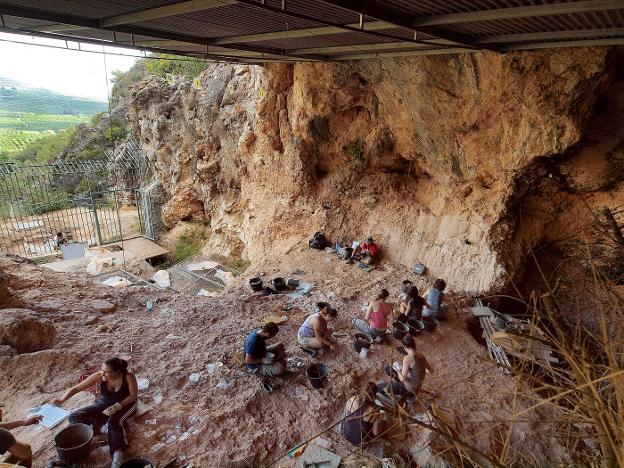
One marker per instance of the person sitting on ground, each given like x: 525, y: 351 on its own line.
x: 116, y: 402
x: 20, y: 453
x: 367, y: 252
x: 411, y: 306
x: 314, y: 332
x: 363, y: 421
x: 375, y: 321
x: 434, y: 297
x: 263, y: 359
x: 408, y: 377
x: 405, y: 287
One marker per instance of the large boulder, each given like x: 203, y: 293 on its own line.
x: 25, y: 330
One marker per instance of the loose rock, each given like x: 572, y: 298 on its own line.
x: 101, y: 306
x: 25, y: 330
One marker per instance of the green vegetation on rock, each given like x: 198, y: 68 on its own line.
x: 164, y: 64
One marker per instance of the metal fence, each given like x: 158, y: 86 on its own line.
x: 91, y: 202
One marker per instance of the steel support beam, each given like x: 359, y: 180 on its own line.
x: 563, y: 44
x: 225, y: 56
x: 550, y: 9
x: 550, y: 35
x: 90, y: 23
x: 380, y: 13
x: 190, y: 6
x: 409, y: 53
x: 500, y: 39
x: 197, y: 5
x: 299, y: 33
x: 507, y: 13
x: 366, y: 48
x: 509, y: 48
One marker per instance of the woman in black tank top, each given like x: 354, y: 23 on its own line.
x: 116, y: 402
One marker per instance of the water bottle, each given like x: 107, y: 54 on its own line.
x: 149, y: 305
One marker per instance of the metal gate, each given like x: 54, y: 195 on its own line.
x: 146, y: 214
x: 105, y: 210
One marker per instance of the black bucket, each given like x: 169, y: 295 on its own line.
x: 347, y: 254
x: 415, y: 327
x: 360, y: 341
x: 317, y: 375
x: 138, y: 463
x: 256, y: 284
x: 74, y: 442
x: 279, y: 284
x: 399, y: 329
x: 429, y: 323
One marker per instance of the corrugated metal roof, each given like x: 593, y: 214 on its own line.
x: 255, y: 28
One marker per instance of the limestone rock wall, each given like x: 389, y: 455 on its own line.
x: 426, y: 154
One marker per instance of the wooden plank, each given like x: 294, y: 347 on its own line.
x: 142, y: 248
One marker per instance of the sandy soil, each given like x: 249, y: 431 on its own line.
x: 242, y: 424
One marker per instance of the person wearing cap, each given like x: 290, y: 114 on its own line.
x: 367, y: 252
x: 20, y: 453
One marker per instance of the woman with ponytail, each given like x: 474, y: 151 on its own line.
x: 116, y: 402
x: 376, y: 319
x: 363, y: 421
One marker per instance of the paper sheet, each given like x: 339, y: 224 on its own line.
x: 52, y: 415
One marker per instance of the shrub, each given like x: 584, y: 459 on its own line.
x: 355, y: 150
x: 165, y: 64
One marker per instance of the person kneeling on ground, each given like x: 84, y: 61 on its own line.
x: 375, y: 321
x: 363, y: 421
x: 265, y: 360
x: 412, y: 304
x: 434, y: 297
x: 408, y: 377
x: 367, y: 252
x: 314, y: 332
x: 116, y: 403
x: 20, y: 453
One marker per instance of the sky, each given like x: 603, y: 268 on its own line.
x: 69, y: 72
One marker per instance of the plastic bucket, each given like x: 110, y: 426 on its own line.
x: 399, y: 329
x: 415, y: 327
x: 74, y: 442
x: 256, y: 284
x: 429, y: 323
x: 317, y: 375
x: 279, y: 284
x: 138, y: 463
x: 360, y: 340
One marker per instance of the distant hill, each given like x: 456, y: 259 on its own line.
x: 17, y: 97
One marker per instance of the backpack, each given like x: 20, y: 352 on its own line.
x: 318, y: 241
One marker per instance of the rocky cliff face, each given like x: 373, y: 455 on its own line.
x: 433, y: 156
